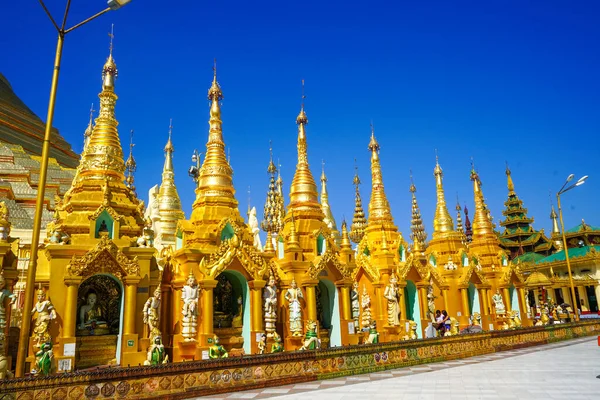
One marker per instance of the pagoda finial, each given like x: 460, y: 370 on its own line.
x: 468, y: 230
x: 271, y: 222
x: 215, y: 178
x: 130, y: 165
x: 442, y: 222
x: 510, y: 184
x: 103, y: 155
x: 379, y: 207
x: 293, y: 243
x: 359, y: 222
x: 88, y: 130
x: 303, y: 191
x: 418, y: 234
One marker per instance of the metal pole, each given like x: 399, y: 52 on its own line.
x: 562, y: 227
x: 37, y: 221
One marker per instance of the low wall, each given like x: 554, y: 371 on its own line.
x: 198, y: 378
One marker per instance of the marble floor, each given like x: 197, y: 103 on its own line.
x: 566, y: 370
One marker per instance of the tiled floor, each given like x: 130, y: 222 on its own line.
x: 566, y: 370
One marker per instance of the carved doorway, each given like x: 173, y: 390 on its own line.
x: 99, y: 321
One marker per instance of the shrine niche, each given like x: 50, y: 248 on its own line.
x: 99, y: 301
x: 231, y: 312
x: 223, y: 302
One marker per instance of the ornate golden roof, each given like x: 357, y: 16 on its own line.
x: 537, y: 279
x: 379, y: 207
x: 442, y: 221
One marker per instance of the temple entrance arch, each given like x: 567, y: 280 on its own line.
x: 231, y: 315
x: 99, y: 321
x: 413, y: 309
x: 328, y: 311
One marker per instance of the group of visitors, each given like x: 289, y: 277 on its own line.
x: 442, y: 322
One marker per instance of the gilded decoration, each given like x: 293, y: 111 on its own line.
x: 109, y: 210
x: 469, y: 273
x: 98, y: 306
x: 105, y: 257
x: 247, y: 255
x: 326, y: 258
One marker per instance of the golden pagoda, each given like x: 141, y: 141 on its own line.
x: 98, y: 265
x: 359, y: 222
x: 329, y: 219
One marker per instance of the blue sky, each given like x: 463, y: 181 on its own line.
x: 499, y: 81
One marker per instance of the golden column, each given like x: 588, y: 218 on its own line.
x: 345, y: 301
x: 311, y: 302
x: 131, y: 285
x: 402, y: 302
x: 206, y: 322
x: 486, y: 302
x: 523, y: 302
x: 256, y: 312
x: 507, y: 299
x: 423, y: 302
x: 70, y: 315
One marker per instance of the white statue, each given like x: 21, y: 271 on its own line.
x: 152, y: 209
x: 354, y: 298
x: 4, y: 295
x: 293, y: 296
x: 189, y: 295
x: 498, y: 303
x: 270, y: 306
x: 391, y: 294
x: 431, y: 301
x: 253, y: 225
x: 45, y: 314
x: 151, y: 313
x: 366, y: 309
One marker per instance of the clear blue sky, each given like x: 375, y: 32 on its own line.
x: 514, y: 81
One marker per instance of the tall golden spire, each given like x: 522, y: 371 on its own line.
x: 379, y: 207
x: 169, y: 204
x: 215, y: 178
x: 103, y: 156
x: 329, y: 220
x: 418, y: 234
x: 481, y: 221
x: 345, y: 244
x: 359, y: 222
x: 88, y: 131
x: 442, y: 222
x: 510, y: 184
x: 303, y: 192
x: 130, y: 165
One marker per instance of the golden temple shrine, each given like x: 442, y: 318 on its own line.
x: 122, y: 282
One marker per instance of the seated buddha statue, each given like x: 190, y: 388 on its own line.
x: 91, y: 318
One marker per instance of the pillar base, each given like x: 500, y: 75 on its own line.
x: 184, y: 350
x: 293, y: 343
x: 391, y: 334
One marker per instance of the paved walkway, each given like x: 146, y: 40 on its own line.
x: 566, y: 370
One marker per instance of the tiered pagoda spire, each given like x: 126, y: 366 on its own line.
x: 88, y: 130
x: 555, y: 230
x: 303, y: 192
x: 130, y: 166
x: 459, y: 225
x: 280, y: 203
x: 270, y: 223
x: 379, y: 206
x: 442, y: 222
x: 326, y: 208
x: 481, y: 223
x: 169, y: 204
x: 359, y: 222
x: 418, y: 234
x: 215, y: 178
x: 468, y: 227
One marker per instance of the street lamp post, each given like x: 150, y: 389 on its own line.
x: 562, y: 190
x: 194, y: 171
x: 39, y: 205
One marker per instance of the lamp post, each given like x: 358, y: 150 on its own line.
x: 194, y: 170
x: 562, y: 190
x: 39, y: 205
